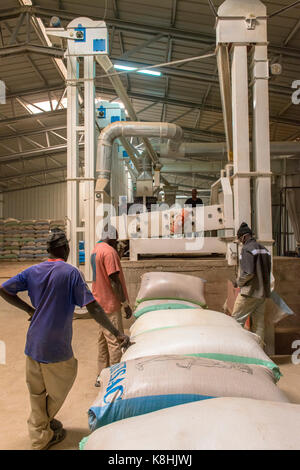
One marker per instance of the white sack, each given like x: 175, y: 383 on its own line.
x: 163, y: 304
x: 165, y: 285
x: 220, y: 343
x: 181, y: 317
x: 148, y: 384
x: 217, y: 424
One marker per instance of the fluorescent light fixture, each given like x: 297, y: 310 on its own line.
x: 146, y: 71
x: 123, y: 67
x: 150, y: 72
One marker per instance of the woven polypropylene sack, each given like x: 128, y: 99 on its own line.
x: 165, y: 285
x: 217, y: 424
x: 163, y: 304
x: 182, y: 317
x: 148, y: 384
x: 213, y: 342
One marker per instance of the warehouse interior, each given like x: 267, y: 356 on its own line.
x: 147, y: 102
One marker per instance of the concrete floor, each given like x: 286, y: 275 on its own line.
x: 14, y: 400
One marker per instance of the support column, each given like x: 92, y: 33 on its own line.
x: 72, y: 159
x: 261, y: 146
x: 1, y: 206
x: 89, y: 162
x: 241, y: 151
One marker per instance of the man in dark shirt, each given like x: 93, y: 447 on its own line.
x: 194, y: 201
x: 54, y: 288
x: 254, y: 281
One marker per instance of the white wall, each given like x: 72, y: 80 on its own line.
x: 44, y: 202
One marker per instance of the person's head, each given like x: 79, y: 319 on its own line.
x: 58, y: 245
x: 194, y: 193
x: 244, y: 233
x: 110, y: 236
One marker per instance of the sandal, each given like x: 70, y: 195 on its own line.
x: 55, y: 425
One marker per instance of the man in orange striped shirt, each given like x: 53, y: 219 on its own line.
x: 109, y: 289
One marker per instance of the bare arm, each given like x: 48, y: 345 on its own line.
x: 117, y: 287
x: 119, y: 292
x: 16, y: 302
x: 98, y: 314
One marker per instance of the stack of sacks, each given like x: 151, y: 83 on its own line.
x: 180, y: 356
x: 57, y: 223
x: 147, y: 384
x: 1, y: 238
x: 41, y: 228
x: 219, y: 424
x: 26, y: 240
x: 11, y: 240
x: 183, y: 356
x: 27, y: 244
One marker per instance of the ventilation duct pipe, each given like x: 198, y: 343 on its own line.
x: 218, y: 151
x: 129, y: 129
x: 144, y: 182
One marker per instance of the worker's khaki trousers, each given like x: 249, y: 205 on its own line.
x: 109, y: 350
x: 245, y: 306
x: 48, y: 385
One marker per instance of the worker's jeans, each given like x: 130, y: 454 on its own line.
x: 48, y: 385
x: 109, y: 350
x: 245, y: 306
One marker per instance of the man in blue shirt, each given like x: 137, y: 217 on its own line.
x: 54, y: 288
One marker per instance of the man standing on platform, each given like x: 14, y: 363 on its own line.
x: 194, y: 201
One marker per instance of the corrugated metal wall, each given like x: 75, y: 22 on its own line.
x: 44, y: 202
x: 50, y: 201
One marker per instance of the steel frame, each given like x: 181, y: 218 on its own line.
x: 29, y: 17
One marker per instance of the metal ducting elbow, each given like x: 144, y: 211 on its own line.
x: 129, y: 129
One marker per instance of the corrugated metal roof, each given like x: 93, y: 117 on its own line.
x: 187, y: 94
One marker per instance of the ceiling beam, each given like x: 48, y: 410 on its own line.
x: 36, y: 153
x: 32, y: 48
x: 190, y: 36
x: 206, y: 39
x: 34, y: 91
x: 145, y: 97
x: 169, y: 71
x: 42, y: 115
x: 292, y: 33
x: 188, y: 104
x: 32, y: 132
x: 141, y: 46
x: 33, y: 173
x: 202, y: 77
x: 63, y: 180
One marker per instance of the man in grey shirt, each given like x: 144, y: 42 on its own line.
x: 254, y: 281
